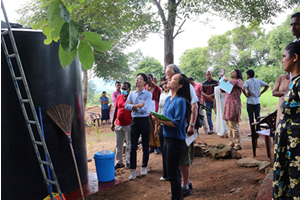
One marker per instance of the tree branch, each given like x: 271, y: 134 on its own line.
x: 178, y: 31
x: 178, y: 3
x: 160, y: 12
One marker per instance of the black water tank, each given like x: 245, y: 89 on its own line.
x: 50, y: 85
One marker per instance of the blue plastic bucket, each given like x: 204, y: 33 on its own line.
x: 105, y: 166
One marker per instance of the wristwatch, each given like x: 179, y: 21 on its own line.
x: 192, y: 125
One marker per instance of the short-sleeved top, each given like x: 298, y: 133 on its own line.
x: 114, y: 96
x: 155, y: 94
x: 233, y: 106
x: 162, y: 98
x: 209, y: 88
x: 198, y: 88
x: 175, y: 110
x: 123, y: 116
x: 193, y: 94
x: 253, y: 86
x: 104, y: 106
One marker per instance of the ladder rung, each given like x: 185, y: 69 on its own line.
x: 44, y: 162
x: 4, y: 32
x: 25, y: 100
x: 39, y: 143
x: 50, y: 181
x: 31, y: 122
x: 18, y: 78
x: 11, y: 56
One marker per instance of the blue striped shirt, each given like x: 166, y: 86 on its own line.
x: 144, y: 97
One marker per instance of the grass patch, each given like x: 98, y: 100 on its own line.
x: 109, y: 134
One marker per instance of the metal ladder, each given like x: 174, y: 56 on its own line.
x: 28, y: 100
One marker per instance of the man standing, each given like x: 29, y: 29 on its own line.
x: 198, y: 89
x: 122, y: 128
x: 139, y: 103
x: 295, y: 26
x: 188, y: 155
x: 208, y: 94
x: 253, y: 85
x: 117, y: 92
x: 155, y: 90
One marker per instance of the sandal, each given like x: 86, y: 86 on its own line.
x: 231, y: 144
x: 237, y: 148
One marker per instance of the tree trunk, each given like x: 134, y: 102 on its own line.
x: 85, y: 86
x: 168, y: 46
x: 169, y: 33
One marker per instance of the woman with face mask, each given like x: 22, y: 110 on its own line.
x: 286, y: 170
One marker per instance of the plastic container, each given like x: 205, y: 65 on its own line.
x: 105, y: 166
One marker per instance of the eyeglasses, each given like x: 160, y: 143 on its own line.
x: 139, y: 79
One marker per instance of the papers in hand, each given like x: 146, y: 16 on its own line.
x: 226, y: 86
x: 160, y: 116
x: 190, y: 139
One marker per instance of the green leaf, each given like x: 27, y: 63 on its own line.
x: 51, y: 9
x: 81, y: 1
x: 64, y: 13
x: 86, y: 55
x: 69, y: 8
x: 96, y: 42
x: 66, y: 58
x: 56, y: 23
x: 69, y: 36
x: 39, y: 25
x: 46, y: 32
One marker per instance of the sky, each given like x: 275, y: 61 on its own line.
x: 195, y: 34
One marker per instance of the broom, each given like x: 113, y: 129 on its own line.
x: 63, y: 115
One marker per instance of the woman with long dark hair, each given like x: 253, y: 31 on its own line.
x: 286, y: 170
x: 177, y: 108
x: 232, y: 109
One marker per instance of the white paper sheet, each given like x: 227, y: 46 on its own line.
x: 190, y: 139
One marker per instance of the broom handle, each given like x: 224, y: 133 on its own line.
x: 78, y: 177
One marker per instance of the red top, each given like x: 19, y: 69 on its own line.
x: 123, y: 116
x: 155, y: 94
x: 233, y: 106
x: 198, y: 88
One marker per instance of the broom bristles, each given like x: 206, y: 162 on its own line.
x: 62, y: 115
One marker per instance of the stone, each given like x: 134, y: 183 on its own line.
x: 236, y: 155
x: 220, y: 151
x: 198, y: 150
x: 265, y: 190
x: 248, y: 162
x: 263, y: 165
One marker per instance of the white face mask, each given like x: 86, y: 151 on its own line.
x: 124, y: 92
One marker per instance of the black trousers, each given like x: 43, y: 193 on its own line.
x: 161, y: 140
x: 253, y: 109
x: 139, y: 125
x: 173, y: 151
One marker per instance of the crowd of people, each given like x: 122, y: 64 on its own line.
x: 177, y: 99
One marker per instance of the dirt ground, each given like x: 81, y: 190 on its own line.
x: 211, y: 178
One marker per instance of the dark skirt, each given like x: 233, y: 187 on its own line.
x: 105, y: 114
